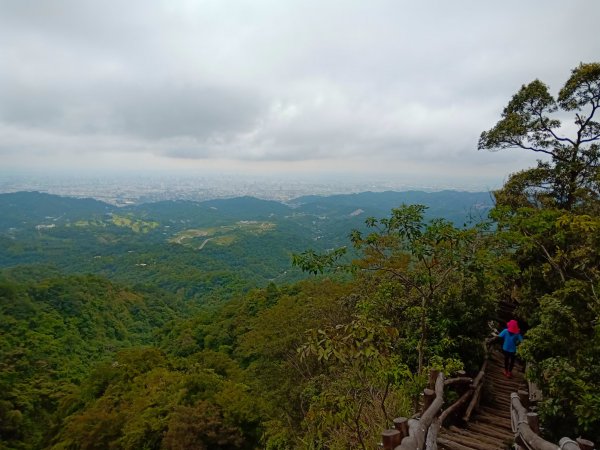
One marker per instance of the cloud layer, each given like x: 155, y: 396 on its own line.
x: 383, y: 85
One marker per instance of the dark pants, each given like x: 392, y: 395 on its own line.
x: 509, y: 360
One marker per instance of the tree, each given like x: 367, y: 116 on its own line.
x: 421, y: 274
x: 550, y: 215
x: 437, y: 270
x: 422, y: 294
x: 571, y: 179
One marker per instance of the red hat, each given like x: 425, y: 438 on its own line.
x: 513, y: 326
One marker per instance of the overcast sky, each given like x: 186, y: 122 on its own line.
x: 346, y: 86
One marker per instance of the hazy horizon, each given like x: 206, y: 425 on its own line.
x: 142, y: 187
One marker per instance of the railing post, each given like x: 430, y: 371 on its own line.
x: 433, y: 374
x: 401, y: 424
x: 428, y: 397
x: 584, y: 444
x: 391, y: 439
x: 568, y: 444
x: 462, y: 387
x: 519, y: 444
x: 533, y: 422
x: 523, y: 398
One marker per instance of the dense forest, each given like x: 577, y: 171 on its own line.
x: 244, y: 324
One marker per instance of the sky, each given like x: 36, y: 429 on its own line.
x: 343, y: 87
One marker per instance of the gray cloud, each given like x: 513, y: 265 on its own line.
x: 393, y: 83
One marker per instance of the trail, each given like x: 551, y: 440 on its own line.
x: 204, y: 243
x: 489, y: 428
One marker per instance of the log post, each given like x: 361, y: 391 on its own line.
x: 426, y: 418
x: 519, y: 443
x: 462, y: 388
x: 433, y: 374
x: 391, y: 438
x: 523, y: 398
x: 584, y: 444
x: 432, y: 435
x: 428, y: 397
x: 534, y: 422
x: 568, y: 444
x: 525, y: 433
x: 401, y: 424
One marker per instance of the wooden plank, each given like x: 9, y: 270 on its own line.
x: 470, y: 442
x: 495, y: 423
x: 482, y: 436
x: 504, y: 413
x: 491, y: 431
x: 450, y: 445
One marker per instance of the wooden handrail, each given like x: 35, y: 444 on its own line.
x: 522, y: 428
x: 418, y: 433
x: 422, y: 433
x: 526, y: 428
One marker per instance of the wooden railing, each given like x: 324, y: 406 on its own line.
x: 422, y: 432
x: 526, y: 427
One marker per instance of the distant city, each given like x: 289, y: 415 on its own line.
x: 124, y: 189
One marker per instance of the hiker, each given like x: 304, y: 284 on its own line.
x: 512, y: 337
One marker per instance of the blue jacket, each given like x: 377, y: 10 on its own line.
x: 510, y: 340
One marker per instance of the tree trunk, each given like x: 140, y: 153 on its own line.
x: 421, y: 347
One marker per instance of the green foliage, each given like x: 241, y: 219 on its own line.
x: 421, y: 297
x: 432, y: 276
x: 570, y: 180
x: 52, y: 332
x: 148, y: 402
x: 311, y: 262
x: 548, y: 217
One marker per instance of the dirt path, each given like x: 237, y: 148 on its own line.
x: 204, y: 243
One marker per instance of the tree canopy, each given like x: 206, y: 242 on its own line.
x: 530, y: 121
x: 548, y: 217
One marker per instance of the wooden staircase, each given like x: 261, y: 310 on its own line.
x: 489, y: 428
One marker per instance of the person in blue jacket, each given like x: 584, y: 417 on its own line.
x: 512, y: 337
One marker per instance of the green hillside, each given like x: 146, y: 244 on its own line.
x: 53, y: 331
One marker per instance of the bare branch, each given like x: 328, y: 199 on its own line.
x: 594, y: 138
x: 537, y: 150
x: 585, y: 124
x: 549, y: 130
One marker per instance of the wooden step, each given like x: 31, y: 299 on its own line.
x: 483, y: 437
x: 505, y: 414
x: 451, y: 445
x: 471, y: 442
x: 494, y: 419
x: 488, y: 430
x: 494, y: 422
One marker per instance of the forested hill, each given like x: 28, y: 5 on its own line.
x: 452, y: 205
x: 223, y: 244
x: 22, y: 209
x: 34, y: 208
